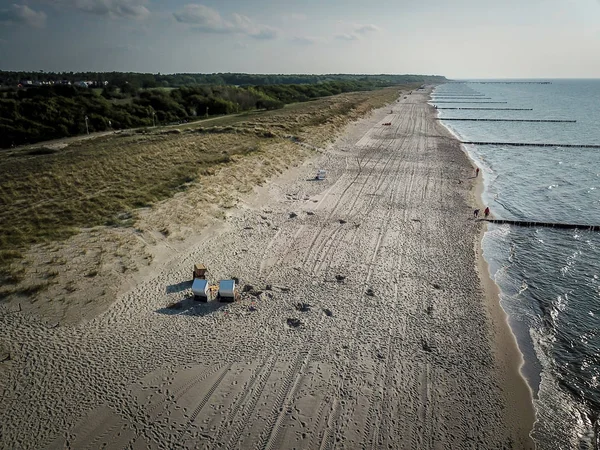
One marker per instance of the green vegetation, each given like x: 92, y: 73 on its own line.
x: 49, y: 193
x: 50, y: 112
x: 50, y: 196
x: 38, y: 106
x: 148, y: 80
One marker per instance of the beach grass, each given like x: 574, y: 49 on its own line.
x: 50, y: 192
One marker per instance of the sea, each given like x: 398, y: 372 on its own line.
x: 549, y: 278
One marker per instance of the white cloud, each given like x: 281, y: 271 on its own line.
x: 357, y: 32
x: 245, y: 25
x: 203, y: 18
x: 23, y: 14
x: 128, y: 9
x: 297, y: 17
x: 265, y: 32
x: 305, y: 40
x: 346, y: 37
x: 207, y: 20
x: 364, y: 29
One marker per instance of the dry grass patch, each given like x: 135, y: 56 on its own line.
x: 51, y: 196
x: 81, y: 216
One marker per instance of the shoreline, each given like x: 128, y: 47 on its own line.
x: 517, y: 391
x: 311, y: 355
x: 506, y: 348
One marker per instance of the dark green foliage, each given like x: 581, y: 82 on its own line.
x: 148, y: 80
x: 41, y: 151
x: 32, y: 114
x: 269, y: 104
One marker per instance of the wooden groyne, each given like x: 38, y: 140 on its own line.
x: 483, y: 103
x: 508, y: 120
x: 461, y: 98
x: 503, y: 82
x: 523, y: 223
x: 490, y: 109
x: 531, y: 144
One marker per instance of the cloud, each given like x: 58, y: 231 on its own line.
x: 297, y: 17
x: 23, y: 15
x: 364, y: 29
x: 245, y: 25
x: 305, y: 40
x: 357, y: 32
x: 346, y: 37
x: 203, y: 18
x: 207, y: 20
x: 127, y: 9
x: 265, y: 32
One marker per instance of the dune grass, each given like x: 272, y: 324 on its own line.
x: 49, y: 196
x: 48, y: 193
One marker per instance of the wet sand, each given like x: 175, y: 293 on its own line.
x: 367, y: 325
x: 509, y: 358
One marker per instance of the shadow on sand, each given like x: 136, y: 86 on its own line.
x: 190, y: 307
x: 179, y: 287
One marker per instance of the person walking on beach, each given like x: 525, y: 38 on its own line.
x: 487, y: 211
x: 476, y: 213
x: 476, y: 172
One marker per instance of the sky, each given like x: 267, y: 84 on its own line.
x: 458, y: 38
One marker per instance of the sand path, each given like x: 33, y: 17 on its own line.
x: 409, y: 366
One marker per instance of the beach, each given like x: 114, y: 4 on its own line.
x: 546, y: 276
x: 369, y: 320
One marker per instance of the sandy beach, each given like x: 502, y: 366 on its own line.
x: 370, y: 321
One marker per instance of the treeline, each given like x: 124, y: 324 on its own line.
x: 49, y: 112
x: 148, y: 80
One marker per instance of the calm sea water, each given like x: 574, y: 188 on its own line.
x: 549, y: 278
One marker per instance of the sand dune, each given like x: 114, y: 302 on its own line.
x: 393, y: 347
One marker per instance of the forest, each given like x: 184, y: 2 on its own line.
x: 148, y: 80
x: 34, y: 113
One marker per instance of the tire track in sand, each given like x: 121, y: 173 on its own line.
x: 245, y: 409
x: 289, y: 247
x: 203, y: 402
x: 259, y: 375
x: 326, y: 248
x: 342, y: 195
x: 270, y: 439
x: 372, y: 426
x: 366, y: 212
